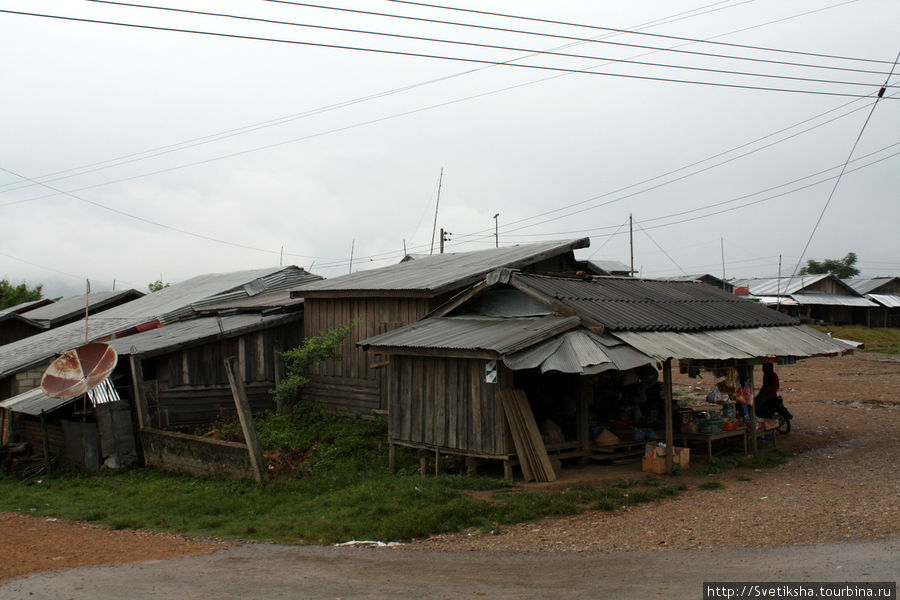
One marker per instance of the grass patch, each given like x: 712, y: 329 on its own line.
x: 743, y: 477
x: 342, y: 490
x: 711, y: 485
x: 740, y: 461
x: 877, y: 339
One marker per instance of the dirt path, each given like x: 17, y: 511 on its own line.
x: 843, y: 488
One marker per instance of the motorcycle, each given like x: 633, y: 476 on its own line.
x: 775, y: 409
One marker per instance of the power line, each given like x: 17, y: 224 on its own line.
x: 436, y: 56
x: 145, y: 220
x: 530, y: 51
x: 632, y: 32
x: 190, y: 143
x: 533, y: 33
x: 843, y: 169
x: 751, y: 203
x: 228, y: 133
x: 669, y: 256
x: 688, y: 166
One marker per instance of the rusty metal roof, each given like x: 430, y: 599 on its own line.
x: 439, y: 272
x: 626, y: 304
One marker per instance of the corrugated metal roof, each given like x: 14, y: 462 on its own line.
x: 831, y: 300
x: 25, y: 306
x: 497, y: 334
x: 773, y: 286
x: 33, y: 402
x: 886, y: 300
x: 579, y: 351
x: 868, y: 285
x: 73, y: 306
x: 266, y: 300
x: 797, y: 340
x: 196, y: 331
x: 442, y: 271
x: 647, y: 305
x: 167, y: 305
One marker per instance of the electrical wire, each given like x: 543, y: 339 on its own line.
x: 611, y: 236
x: 843, y: 169
x: 629, y: 31
x: 530, y: 51
x: 148, y: 221
x: 524, y: 32
x: 661, y: 249
x: 670, y: 181
x: 815, y: 92
x: 190, y: 143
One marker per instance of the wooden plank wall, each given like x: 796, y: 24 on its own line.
x: 351, y: 384
x: 193, y: 386
x: 446, y: 403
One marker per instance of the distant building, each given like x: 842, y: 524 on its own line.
x: 884, y: 291
x: 813, y: 298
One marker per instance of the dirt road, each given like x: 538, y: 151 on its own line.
x: 267, y: 572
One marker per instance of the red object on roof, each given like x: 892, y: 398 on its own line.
x: 78, y: 370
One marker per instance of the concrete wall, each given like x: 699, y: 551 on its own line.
x: 28, y: 380
x: 206, y: 457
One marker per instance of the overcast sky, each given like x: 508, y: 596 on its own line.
x: 165, y: 154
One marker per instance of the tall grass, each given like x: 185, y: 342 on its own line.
x: 876, y: 339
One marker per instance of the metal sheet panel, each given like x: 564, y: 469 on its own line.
x: 580, y: 351
x: 756, y: 342
x: 869, y: 285
x: 886, y: 300
x: 441, y: 271
x: 831, y: 300
x: 33, y: 402
x: 167, y: 305
x: 496, y: 334
x: 626, y: 304
x: 196, y: 331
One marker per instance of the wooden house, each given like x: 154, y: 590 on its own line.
x: 171, y: 345
x: 383, y: 299
x: 574, y: 348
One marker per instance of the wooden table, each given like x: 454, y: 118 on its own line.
x: 709, y: 438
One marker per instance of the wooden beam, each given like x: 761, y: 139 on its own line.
x: 246, y: 417
x: 670, y: 430
x: 140, y: 398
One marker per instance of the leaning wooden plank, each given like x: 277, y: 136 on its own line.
x: 540, y: 458
x: 508, y: 399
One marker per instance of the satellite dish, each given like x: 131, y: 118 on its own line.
x: 78, y: 370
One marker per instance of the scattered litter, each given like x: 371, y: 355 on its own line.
x: 368, y: 544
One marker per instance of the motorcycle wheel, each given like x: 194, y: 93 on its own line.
x: 784, y: 425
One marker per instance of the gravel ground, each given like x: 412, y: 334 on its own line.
x: 842, y: 486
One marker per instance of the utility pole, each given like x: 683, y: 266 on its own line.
x: 631, y: 243
x: 436, y: 205
x: 722, y: 248
x: 496, y: 232
x: 352, y: 247
x: 445, y: 237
